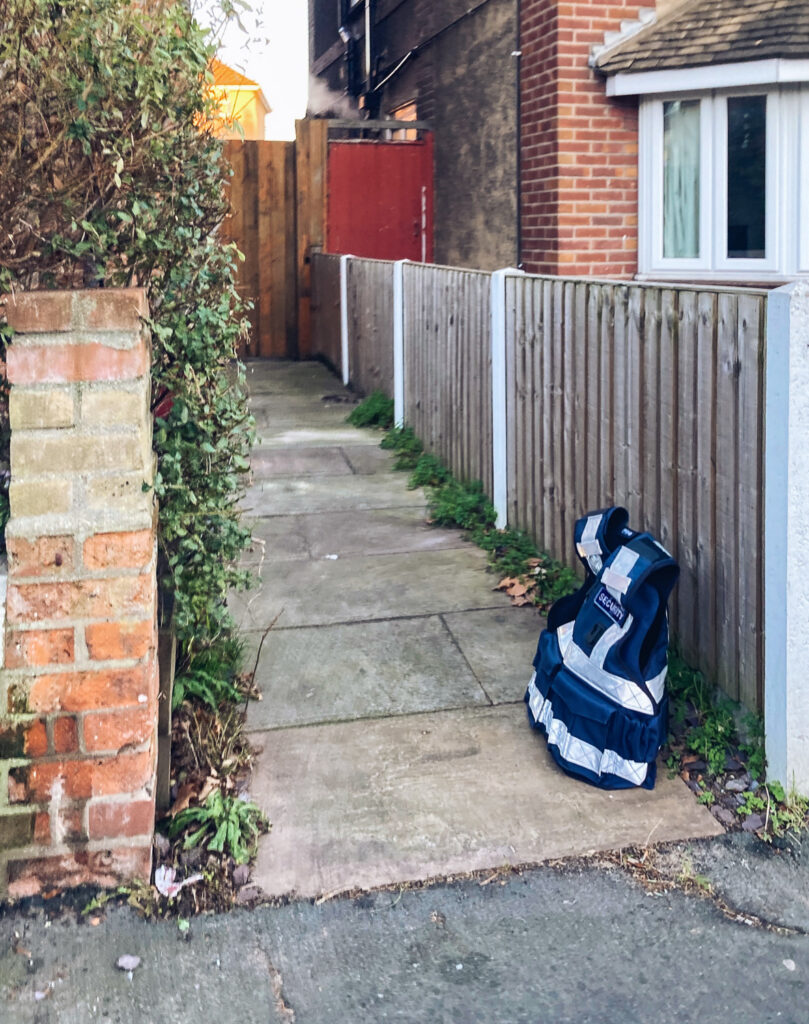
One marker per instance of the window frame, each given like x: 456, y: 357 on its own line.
x: 786, y: 187
x: 772, y: 181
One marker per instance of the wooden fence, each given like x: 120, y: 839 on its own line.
x: 652, y: 398
x: 370, y: 324
x: 262, y: 225
x: 326, y: 337
x: 448, y: 395
x: 647, y: 396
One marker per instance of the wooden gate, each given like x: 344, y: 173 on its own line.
x: 262, y: 224
x: 344, y: 186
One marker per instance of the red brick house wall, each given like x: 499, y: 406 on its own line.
x: 578, y: 148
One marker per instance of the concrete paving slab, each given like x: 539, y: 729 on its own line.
x: 315, y: 436
x: 306, y: 414
x: 499, y: 644
x: 276, y: 539
x: 358, y: 589
x: 302, y: 495
x: 364, y: 670
x: 365, y: 459
x: 371, y: 803
x: 268, y: 376
x: 380, y: 531
x: 297, y: 462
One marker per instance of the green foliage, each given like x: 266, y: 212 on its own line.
x: 786, y: 814
x: 374, y: 411
x: 428, y: 472
x: 753, y: 746
x: 224, y: 824
x: 714, y: 737
x: 111, y: 176
x: 407, y: 446
x: 509, y: 550
x: 461, y: 504
x: 209, y: 675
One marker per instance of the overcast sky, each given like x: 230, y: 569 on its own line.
x: 272, y: 48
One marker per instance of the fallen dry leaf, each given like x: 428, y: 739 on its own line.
x: 506, y: 582
x: 521, y: 601
x: 208, y: 786
x: 184, y: 795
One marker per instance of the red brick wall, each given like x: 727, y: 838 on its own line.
x: 578, y: 148
x: 78, y: 689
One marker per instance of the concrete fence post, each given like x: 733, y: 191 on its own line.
x: 344, y: 350
x: 398, y: 343
x: 786, y: 552
x: 78, y: 686
x: 499, y: 401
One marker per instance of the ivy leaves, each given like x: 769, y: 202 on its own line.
x: 109, y: 178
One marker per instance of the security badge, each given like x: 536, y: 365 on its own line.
x: 610, y: 606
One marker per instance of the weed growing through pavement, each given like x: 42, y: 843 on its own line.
x: 210, y: 675
x: 374, y: 411
x: 223, y: 824
x: 725, y: 769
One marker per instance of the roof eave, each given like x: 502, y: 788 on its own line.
x: 776, y: 71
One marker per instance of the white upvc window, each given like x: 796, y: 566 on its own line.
x: 724, y: 184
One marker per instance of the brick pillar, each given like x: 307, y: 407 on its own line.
x: 578, y: 148
x: 79, y: 686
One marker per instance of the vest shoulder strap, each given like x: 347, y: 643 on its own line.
x: 639, y: 561
x: 598, y: 534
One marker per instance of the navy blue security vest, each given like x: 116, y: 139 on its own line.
x: 598, y: 689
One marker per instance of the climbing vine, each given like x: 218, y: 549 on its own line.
x: 111, y: 176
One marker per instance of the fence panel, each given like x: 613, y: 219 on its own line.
x: 650, y: 397
x: 370, y: 325
x: 643, y: 395
x: 262, y: 224
x: 326, y: 341
x: 447, y: 342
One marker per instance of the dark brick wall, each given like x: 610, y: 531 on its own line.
x: 464, y: 80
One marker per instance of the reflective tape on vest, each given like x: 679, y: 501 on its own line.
x: 589, y: 547
x: 591, y: 668
x: 578, y: 752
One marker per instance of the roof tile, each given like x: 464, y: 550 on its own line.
x: 700, y: 32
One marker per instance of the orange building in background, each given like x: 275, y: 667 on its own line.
x: 240, y: 103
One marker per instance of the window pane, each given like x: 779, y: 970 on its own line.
x: 747, y: 164
x: 681, y: 179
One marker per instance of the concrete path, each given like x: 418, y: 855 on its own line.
x: 394, y: 742
x: 575, y: 945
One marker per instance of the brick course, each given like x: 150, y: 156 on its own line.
x: 578, y: 148
x: 78, y: 692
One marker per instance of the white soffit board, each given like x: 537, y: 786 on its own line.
x: 710, y: 76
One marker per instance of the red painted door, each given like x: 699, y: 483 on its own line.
x: 380, y: 199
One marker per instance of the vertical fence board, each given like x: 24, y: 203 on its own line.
x: 705, y: 495
x: 750, y: 525
x: 262, y: 225
x: 648, y: 465
x: 326, y: 309
x: 728, y: 369
x: 685, y: 551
